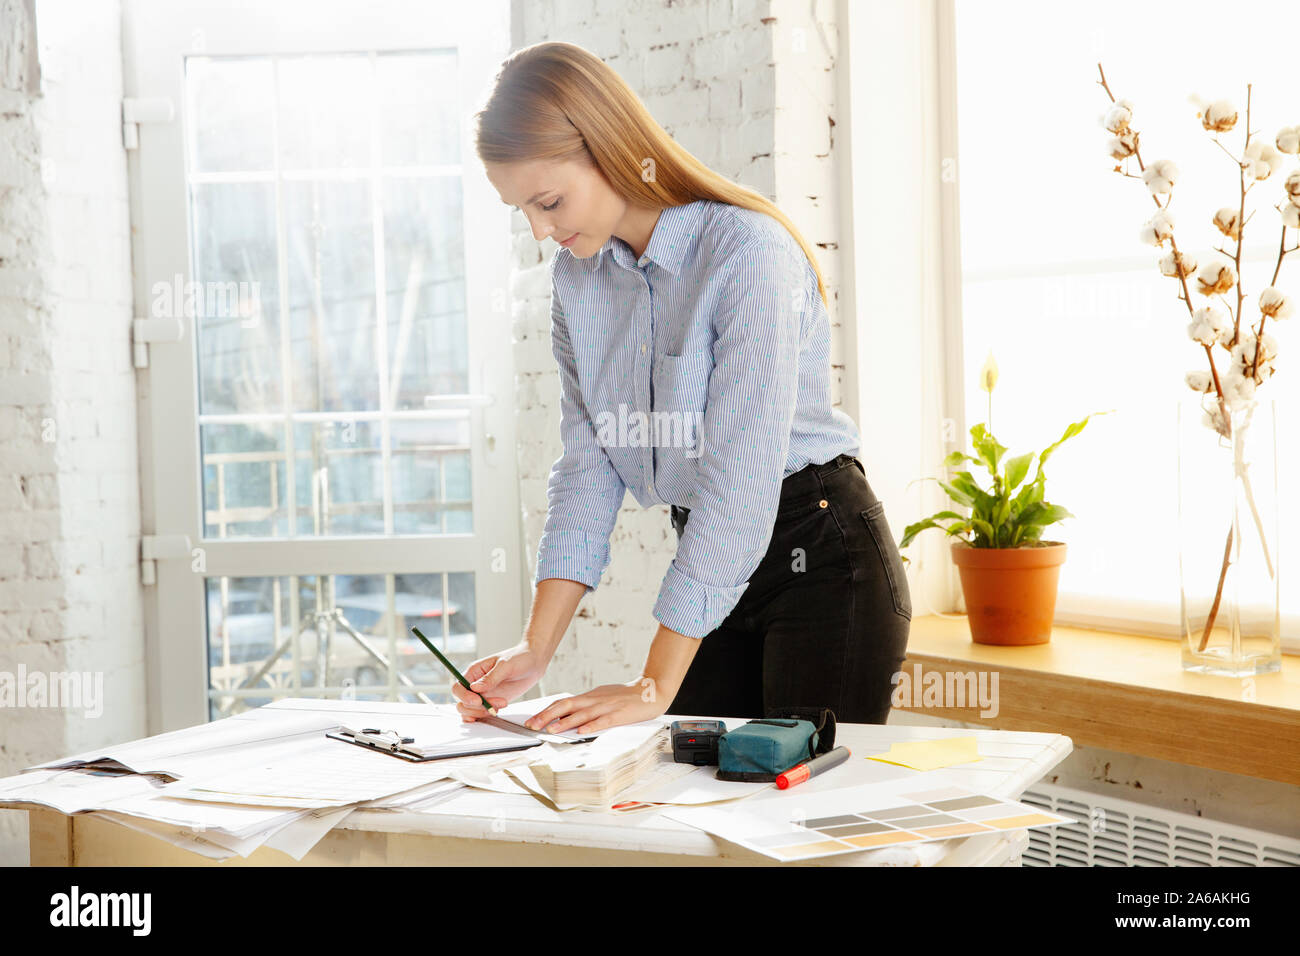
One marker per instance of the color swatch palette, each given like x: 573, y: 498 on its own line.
x: 785, y: 830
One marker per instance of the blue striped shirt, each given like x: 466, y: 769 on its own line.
x: 697, y: 376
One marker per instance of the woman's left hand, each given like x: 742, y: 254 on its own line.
x: 610, y: 705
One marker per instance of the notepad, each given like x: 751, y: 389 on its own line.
x: 930, y: 754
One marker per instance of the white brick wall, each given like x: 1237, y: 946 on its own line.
x: 70, y: 597
x: 721, y: 77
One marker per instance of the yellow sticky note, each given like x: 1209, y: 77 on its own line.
x: 930, y: 754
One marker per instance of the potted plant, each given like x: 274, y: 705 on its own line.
x: 1009, y: 574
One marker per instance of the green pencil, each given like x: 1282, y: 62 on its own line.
x: 455, y: 673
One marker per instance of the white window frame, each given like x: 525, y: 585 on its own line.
x: 156, y: 35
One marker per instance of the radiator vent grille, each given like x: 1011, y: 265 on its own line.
x: 1114, y: 832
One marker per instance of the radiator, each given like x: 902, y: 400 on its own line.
x: 1115, y: 832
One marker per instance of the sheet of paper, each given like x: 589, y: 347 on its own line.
x: 75, y: 791
x: 611, y: 744
x: 794, y: 825
x: 160, y: 753
x: 930, y: 754
x: 238, y: 821
x: 416, y: 797
x: 346, y: 774
x: 210, y: 845
x: 683, y: 784
x: 298, y: 838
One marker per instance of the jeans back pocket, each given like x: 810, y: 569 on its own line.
x: 890, y: 559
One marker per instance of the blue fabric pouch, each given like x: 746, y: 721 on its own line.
x: 758, y: 751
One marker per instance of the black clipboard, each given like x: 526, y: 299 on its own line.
x: 393, y: 744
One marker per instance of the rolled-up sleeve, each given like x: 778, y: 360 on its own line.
x: 745, y: 436
x: 584, y: 491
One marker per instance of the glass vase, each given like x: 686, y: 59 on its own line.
x: 1228, y: 536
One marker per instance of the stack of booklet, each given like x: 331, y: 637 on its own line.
x: 594, y: 773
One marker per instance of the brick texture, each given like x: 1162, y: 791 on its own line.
x: 70, y: 597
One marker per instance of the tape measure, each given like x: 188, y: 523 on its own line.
x: 696, y: 741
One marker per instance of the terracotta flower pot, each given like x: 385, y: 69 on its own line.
x: 1010, y: 592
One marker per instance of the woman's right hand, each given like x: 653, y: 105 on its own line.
x: 500, y: 678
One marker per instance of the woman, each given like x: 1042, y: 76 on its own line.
x: 684, y: 298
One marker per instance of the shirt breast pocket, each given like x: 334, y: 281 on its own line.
x: 681, y: 392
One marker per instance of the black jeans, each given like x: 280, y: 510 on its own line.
x: 825, y: 619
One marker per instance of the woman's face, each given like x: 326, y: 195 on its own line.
x: 562, y: 201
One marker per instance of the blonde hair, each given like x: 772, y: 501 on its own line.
x: 557, y: 102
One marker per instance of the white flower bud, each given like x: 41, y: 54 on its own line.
x: 1158, y: 228
x: 1118, y: 117
x: 1220, y: 116
x: 1216, y: 277
x: 1206, y: 325
x: 1238, y: 389
x: 1291, y: 215
x: 1122, y: 146
x: 1288, y: 140
x: 1292, y: 186
x: 1262, y: 159
x: 1160, y: 176
x: 1243, y: 353
x: 1199, y: 380
x: 1273, y: 303
x: 1228, y: 221
x: 1186, y: 264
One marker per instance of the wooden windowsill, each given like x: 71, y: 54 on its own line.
x: 1125, y: 692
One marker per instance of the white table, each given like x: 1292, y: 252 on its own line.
x: 481, y: 828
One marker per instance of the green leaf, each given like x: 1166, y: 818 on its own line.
x: 981, y: 500
x: 1055, y: 513
x: 987, y: 447
x: 912, y: 530
x: 1000, y: 512
x: 1031, y: 493
x: 961, y: 497
x: 957, y: 458
x: 1070, y: 432
x: 1017, y: 468
x: 1041, y: 513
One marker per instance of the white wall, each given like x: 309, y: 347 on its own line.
x: 70, y: 597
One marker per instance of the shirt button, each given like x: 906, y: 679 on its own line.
x: 643, y: 348
x: 822, y: 503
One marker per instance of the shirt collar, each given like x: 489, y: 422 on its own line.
x: 673, y: 234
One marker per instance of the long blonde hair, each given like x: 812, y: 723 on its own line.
x: 557, y: 102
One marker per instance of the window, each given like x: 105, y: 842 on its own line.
x: 326, y: 433
x: 1057, y: 284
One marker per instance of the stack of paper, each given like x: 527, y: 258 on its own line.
x: 595, y: 773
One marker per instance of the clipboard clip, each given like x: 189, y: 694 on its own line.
x: 389, y: 740
x: 373, y: 738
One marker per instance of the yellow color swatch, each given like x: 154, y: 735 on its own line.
x: 930, y: 754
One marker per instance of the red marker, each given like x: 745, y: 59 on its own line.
x: 832, y: 758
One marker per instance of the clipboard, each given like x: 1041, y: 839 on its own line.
x: 394, y: 744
